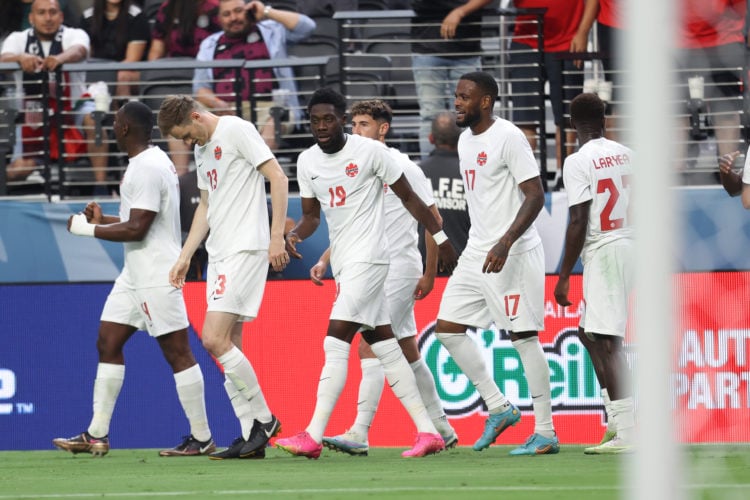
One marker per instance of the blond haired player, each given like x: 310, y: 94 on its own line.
x: 233, y: 163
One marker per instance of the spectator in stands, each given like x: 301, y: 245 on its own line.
x: 16, y: 18
x: 252, y: 31
x: 438, y: 64
x: 712, y: 36
x: 442, y: 168
x: 119, y: 32
x: 179, y: 28
x: 45, y: 47
x: 566, y: 29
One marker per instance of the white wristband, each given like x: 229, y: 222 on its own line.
x: 440, y: 237
x: 80, y: 226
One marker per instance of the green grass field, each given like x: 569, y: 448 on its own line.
x: 715, y: 472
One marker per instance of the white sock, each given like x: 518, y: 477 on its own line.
x: 466, y: 354
x: 402, y: 382
x: 332, y: 380
x: 624, y: 417
x: 107, y: 385
x: 370, y: 389
x: 430, y: 398
x: 241, y: 407
x: 191, y: 394
x: 238, y: 369
x: 611, y: 426
x: 536, y: 370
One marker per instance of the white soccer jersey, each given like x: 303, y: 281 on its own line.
x: 228, y: 169
x: 150, y: 183
x: 600, y: 172
x: 401, y: 226
x: 493, y: 164
x: 349, y: 186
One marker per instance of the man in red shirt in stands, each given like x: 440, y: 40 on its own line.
x: 566, y: 29
x: 712, y: 45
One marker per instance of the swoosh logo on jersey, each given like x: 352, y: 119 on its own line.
x: 314, y: 177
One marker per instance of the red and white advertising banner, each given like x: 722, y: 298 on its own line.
x: 710, y: 380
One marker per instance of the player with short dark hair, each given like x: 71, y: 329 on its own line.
x: 597, y: 185
x: 142, y: 298
x: 344, y: 175
x: 500, y: 275
x: 405, y: 283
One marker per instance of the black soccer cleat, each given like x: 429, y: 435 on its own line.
x: 260, y: 434
x: 190, y: 447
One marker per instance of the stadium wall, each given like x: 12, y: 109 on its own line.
x: 48, y: 356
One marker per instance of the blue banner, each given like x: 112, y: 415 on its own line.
x: 35, y: 245
x: 48, y: 364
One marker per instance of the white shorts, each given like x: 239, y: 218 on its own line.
x: 235, y: 284
x: 157, y: 310
x: 512, y: 298
x: 360, y: 295
x: 607, y: 281
x: 400, y: 296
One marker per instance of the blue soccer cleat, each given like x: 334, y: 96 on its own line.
x: 495, y: 424
x: 538, y: 445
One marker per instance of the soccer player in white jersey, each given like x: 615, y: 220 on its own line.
x: 596, y: 181
x: 405, y: 283
x: 344, y: 174
x: 142, y: 298
x: 233, y: 163
x: 500, y: 275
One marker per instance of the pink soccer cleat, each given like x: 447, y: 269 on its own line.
x: 302, y: 445
x: 427, y: 444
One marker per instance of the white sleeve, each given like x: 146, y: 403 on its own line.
x: 576, y: 181
x: 303, y: 179
x: 521, y: 161
x: 15, y: 43
x: 75, y: 36
x: 249, y: 143
x: 386, y: 168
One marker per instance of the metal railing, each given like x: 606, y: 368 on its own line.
x: 60, y: 171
